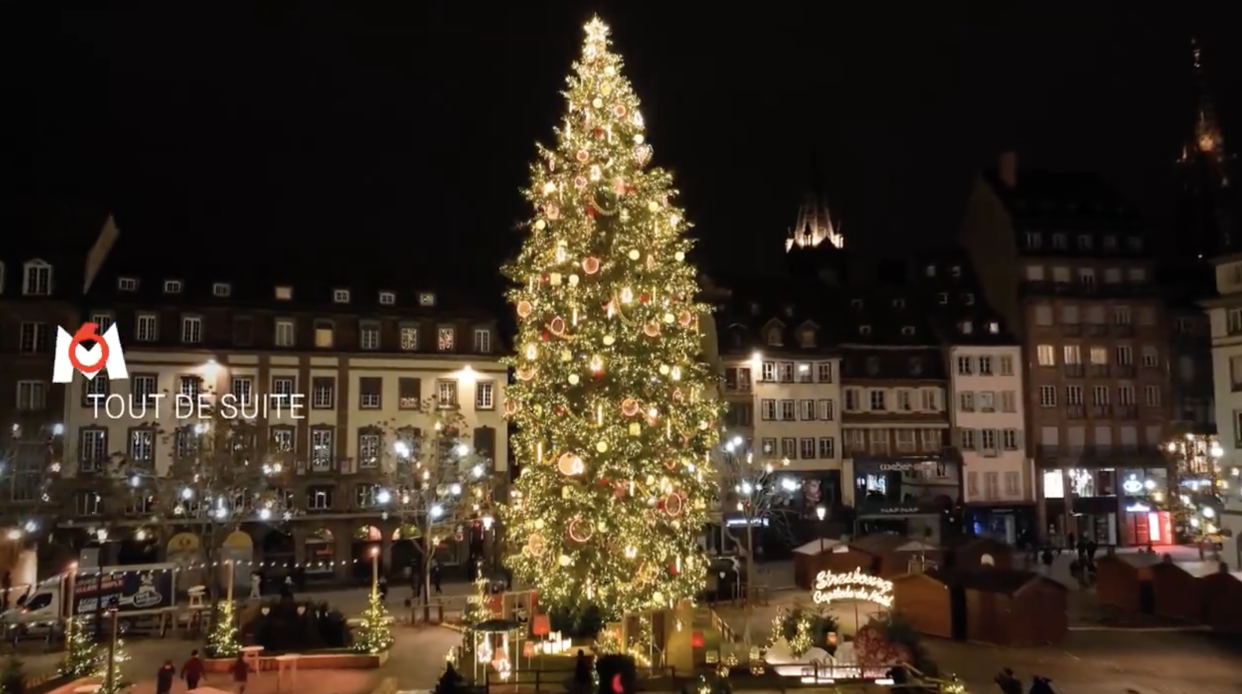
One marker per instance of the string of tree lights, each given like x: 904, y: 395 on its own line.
x: 612, y: 398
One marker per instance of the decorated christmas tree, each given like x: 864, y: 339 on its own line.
x: 222, y: 641
x: 81, y: 658
x: 110, y: 674
x: 375, y: 632
x: 477, y: 608
x: 613, y: 398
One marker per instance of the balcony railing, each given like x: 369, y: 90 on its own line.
x: 1101, y: 411
x: 1125, y: 370
x: 1123, y: 329
x: 1127, y: 411
x: 1075, y: 412
x: 1071, y: 329
x: 1099, y: 371
x: 1097, y: 329
x: 1073, y: 370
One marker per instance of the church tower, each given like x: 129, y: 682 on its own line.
x: 814, y: 227
x: 1208, y: 212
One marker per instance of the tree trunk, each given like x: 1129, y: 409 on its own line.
x: 750, y: 570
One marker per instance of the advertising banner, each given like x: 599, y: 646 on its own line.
x: 133, y: 590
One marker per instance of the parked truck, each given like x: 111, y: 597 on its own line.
x: 143, y: 596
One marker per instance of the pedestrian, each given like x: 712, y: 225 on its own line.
x: 1046, y: 559
x: 287, y: 588
x: 435, y: 577
x: 582, y: 674
x: 1092, y: 548
x: 1008, y: 683
x: 164, y: 678
x: 241, y: 672
x: 6, y: 586
x: 383, y: 588
x: 256, y: 585
x: 192, y: 671
x: 1070, y: 543
x: 1041, y: 685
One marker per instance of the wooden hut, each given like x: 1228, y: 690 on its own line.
x: 925, y: 602
x: 881, y: 548
x: 812, y: 558
x: 1004, y: 607
x: 1222, y: 598
x: 864, y: 554
x: 916, y: 556
x: 1123, y: 581
x: 1177, y: 588
x: 972, y: 552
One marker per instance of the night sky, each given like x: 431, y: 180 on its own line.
x: 400, y: 136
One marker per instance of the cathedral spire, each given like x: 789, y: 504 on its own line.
x: 1208, y: 203
x: 814, y: 226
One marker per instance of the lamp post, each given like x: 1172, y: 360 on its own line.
x: 73, y: 599
x: 114, y: 611
x: 820, y: 512
x: 374, y: 572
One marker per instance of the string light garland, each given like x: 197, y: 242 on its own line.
x: 612, y: 403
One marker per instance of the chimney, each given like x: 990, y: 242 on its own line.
x: 1007, y: 169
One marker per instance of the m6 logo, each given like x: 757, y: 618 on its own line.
x: 72, y: 355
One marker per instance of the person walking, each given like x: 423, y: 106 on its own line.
x: 256, y: 585
x: 1046, y: 561
x: 383, y: 588
x: 6, y: 587
x: 164, y: 678
x: 241, y: 673
x: 435, y: 577
x: 1008, y: 683
x: 192, y: 671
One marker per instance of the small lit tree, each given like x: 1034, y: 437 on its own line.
x: 222, y: 642
x: 81, y: 658
x: 110, y: 669
x: 437, y: 484
x: 375, y: 631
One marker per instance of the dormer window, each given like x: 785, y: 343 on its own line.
x: 387, y: 298
x: 967, y: 328
x: 873, y: 366
x: 172, y: 286
x: 807, y: 338
x: 856, y: 304
x: 222, y: 289
x: 284, y: 292
x: 956, y: 271
x: 127, y: 284
x: 426, y: 299
x: 931, y: 270
x: 1110, y: 243
x: 916, y: 366
x: 789, y: 311
x: 774, y: 337
x: 994, y: 328
x: 968, y: 299
x: 1034, y: 240
x: 864, y: 330
x: 340, y: 296
x: 907, y: 330
x: 1084, y: 242
x: 754, y: 308
x: 942, y: 298
x: 1060, y: 241
x: 1135, y: 244
x: 899, y: 303
x: 37, y: 279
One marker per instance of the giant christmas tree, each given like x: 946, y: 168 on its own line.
x: 613, y: 400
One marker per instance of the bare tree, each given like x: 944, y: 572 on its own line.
x: 438, y: 485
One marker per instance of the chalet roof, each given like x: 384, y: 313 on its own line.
x: 950, y: 291
x: 879, y: 543
x: 989, y: 580
x: 863, y: 362
x: 818, y: 546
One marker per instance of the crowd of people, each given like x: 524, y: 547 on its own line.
x: 1082, y: 568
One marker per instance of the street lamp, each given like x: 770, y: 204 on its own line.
x: 114, y: 611
x: 820, y: 512
x: 374, y: 572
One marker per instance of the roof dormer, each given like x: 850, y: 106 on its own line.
x: 806, y: 335
x: 36, y: 278
x: 773, y: 334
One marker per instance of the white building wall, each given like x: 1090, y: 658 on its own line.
x: 989, y: 423
x: 1226, y: 352
x: 824, y: 397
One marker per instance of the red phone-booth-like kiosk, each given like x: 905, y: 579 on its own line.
x: 1144, y: 528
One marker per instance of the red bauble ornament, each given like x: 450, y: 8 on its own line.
x: 545, y: 335
x: 644, y: 298
x: 599, y: 132
x: 591, y: 212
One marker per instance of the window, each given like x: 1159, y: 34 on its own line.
x: 1099, y: 396
x: 1060, y: 241
x: 1151, y: 356
x: 907, y: 331
x: 364, y: 494
x: 1009, y: 439
x: 284, y: 293
x: 1110, y: 243
x: 808, y: 449
x: 191, y: 330
x: 789, y: 411
x: 968, y: 299
x: 95, y: 390
x: 987, y: 440
x: 1072, y: 355
x: 807, y: 408
x: 774, y: 336
x: 190, y: 387
x: 92, y: 449
x: 483, y: 340
x: 340, y: 296
x: 804, y: 374
x: 1043, y: 315
x: 322, y: 453
x: 103, y: 320
x: 284, y: 332
x: 1084, y: 242
x: 426, y: 299
x: 1073, y: 395
x: 787, y: 372
x: 903, y: 400
x: 31, y: 396
x: 323, y: 392
x: 34, y: 338
x: 1034, y: 240
x: 370, y: 445
x: 827, y: 448
x: 930, y: 401
x: 768, y: 447
x: 767, y: 410
x: 1234, y: 321
x: 445, y: 341
x: 737, y: 379
x: 387, y: 298
x: 243, y: 389
x: 1134, y: 243
x: 964, y: 366
x: 283, y: 385
x: 987, y: 401
x: 905, y: 440
x: 942, y: 298
x: 1125, y: 355
x: 1009, y: 401
x: 1125, y: 395
x: 789, y: 448
x: 1151, y: 396
x: 1099, y: 355
x: 142, y: 447
x: 740, y: 414
x: 127, y: 284
x: 877, y: 400
x: 370, y: 392
x: 823, y: 372
x: 826, y: 410
x: 1137, y: 274
x: 409, y: 338
x: 409, y: 393
x: 38, y: 279
x: 446, y: 393
x: 852, y: 400
x: 323, y: 334
x: 319, y: 498
x: 1035, y: 273
x: 1013, y: 484
x: 172, y: 286
x: 769, y: 371
x: 1086, y: 277
x: 221, y: 289
x: 142, y: 388
x: 484, y: 395
x: 369, y: 335
x: 967, y: 439
x: 967, y: 327
x: 1122, y: 315
x: 147, y: 328
x: 1006, y: 366
x: 1047, y: 396
x: 967, y: 400
x: 1047, y: 355
x: 985, y: 366
x: 243, y: 331
x: 991, y: 485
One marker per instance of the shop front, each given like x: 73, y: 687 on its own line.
x: 1013, y: 524
x: 1082, y: 503
x: 910, y: 496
